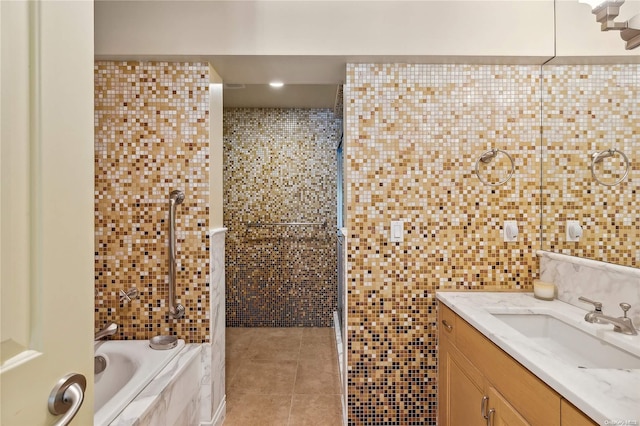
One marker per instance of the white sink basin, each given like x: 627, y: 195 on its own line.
x: 569, y: 343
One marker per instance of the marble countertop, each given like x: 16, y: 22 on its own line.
x: 608, y: 396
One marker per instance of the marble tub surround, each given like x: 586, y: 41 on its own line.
x: 212, y: 392
x: 603, y: 394
x: 600, y: 281
x: 172, y: 398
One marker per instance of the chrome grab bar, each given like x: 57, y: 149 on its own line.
x: 260, y: 224
x: 175, y: 197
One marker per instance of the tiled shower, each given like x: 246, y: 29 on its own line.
x: 280, y: 178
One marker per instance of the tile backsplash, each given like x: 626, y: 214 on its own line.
x: 413, y: 135
x: 151, y: 137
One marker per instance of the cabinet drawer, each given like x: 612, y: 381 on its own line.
x: 530, y: 396
x: 446, y: 322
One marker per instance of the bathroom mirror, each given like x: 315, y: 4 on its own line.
x: 589, y: 109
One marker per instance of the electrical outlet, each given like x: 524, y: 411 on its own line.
x: 573, y: 230
x: 510, y: 231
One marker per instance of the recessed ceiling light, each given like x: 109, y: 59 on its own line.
x: 276, y: 84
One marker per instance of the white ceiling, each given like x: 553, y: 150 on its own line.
x: 288, y: 96
x: 310, y: 82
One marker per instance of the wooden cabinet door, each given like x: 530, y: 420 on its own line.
x: 460, y: 389
x: 501, y: 413
x: 571, y: 416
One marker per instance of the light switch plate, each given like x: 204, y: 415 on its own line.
x: 396, y: 235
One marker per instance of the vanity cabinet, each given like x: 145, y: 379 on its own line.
x: 479, y: 384
x: 461, y: 386
x: 570, y: 415
x: 501, y: 413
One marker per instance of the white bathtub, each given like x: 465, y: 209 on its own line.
x: 131, y: 365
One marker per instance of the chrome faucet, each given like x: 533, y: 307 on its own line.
x: 621, y: 324
x: 593, y: 315
x: 109, y: 330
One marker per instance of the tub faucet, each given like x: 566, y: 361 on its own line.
x: 109, y: 330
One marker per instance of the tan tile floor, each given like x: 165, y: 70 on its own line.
x: 282, y: 376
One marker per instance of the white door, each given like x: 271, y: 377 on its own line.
x: 46, y: 205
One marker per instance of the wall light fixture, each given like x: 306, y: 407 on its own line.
x: 606, y: 12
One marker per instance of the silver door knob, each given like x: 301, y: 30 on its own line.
x: 67, y: 397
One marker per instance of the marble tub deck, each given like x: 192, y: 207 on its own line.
x: 282, y: 376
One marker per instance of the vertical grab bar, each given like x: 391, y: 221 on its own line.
x: 175, y: 197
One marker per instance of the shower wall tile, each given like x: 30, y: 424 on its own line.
x: 586, y: 109
x: 151, y: 137
x: 280, y: 165
x: 413, y: 136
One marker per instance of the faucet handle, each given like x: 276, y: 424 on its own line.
x: 124, y: 296
x: 597, y: 305
x: 625, y: 307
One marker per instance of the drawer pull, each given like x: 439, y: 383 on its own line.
x: 483, y: 407
x: 490, y: 417
x: 447, y: 325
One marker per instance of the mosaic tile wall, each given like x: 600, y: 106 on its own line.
x: 151, y: 137
x: 280, y: 166
x: 413, y: 134
x: 589, y: 108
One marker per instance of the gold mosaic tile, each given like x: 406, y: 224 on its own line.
x: 590, y: 108
x: 280, y: 166
x: 413, y: 134
x: 151, y: 137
